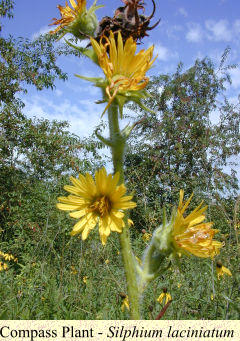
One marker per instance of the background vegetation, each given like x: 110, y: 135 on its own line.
x: 60, y: 277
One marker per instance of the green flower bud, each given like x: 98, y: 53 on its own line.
x: 77, y: 20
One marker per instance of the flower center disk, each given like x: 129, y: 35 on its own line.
x: 101, y: 206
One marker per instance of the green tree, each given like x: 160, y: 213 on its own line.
x: 34, y: 153
x: 180, y: 146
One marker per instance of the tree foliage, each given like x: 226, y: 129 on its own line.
x: 6, y: 8
x: 181, y: 146
x: 34, y: 153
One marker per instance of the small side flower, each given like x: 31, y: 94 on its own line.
x: 76, y: 19
x: 191, y: 235
x: 222, y: 270
x: 181, y: 235
x: 164, y: 296
x: 125, y: 304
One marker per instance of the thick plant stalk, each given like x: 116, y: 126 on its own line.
x: 118, y: 142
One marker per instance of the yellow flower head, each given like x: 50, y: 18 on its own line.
x: 237, y: 225
x: 124, y: 70
x: 73, y: 270
x: 6, y: 257
x: 101, y: 201
x: 165, y: 295
x: 222, y: 270
x: 3, y: 266
x: 146, y: 236
x: 191, y: 234
x: 76, y: 19
x: 85, y: 279
x: 68, y: 14
x: 125, y: 304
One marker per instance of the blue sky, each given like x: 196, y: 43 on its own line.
x: 188, y: 30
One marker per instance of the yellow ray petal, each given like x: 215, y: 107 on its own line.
x: 67, y: 207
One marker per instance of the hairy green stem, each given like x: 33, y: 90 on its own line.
x: 118, y: 145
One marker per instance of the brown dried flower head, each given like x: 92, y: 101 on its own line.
x: 128, y: 21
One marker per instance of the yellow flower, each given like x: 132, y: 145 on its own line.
x: 19, y: 294
x: 191, y: 235
x: 237, y: 225
x: 146, y: 236
x: 130, y: 222
x: 8, y: 256
x: 68, y: 14
x: 76, y: 19
x: 107, y: 261
x: 73, y: 270
x: 125, y: 304
x: 179, y: 285
x: 85, y: 279
x: 165, y: 295
x: 102, y: 202
x: 222, y: 270
x: 124, y: 71
x: 212, y: 297
x: 2, y: 266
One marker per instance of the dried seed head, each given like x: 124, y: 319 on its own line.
x: 127, y: 20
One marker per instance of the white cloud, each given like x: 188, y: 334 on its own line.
x: 214, y: 116
x: 164, y: 54
x: 80, y: 43
x: 58, y: 92
x: 195, y: 33
x: 235, y: 75
x: 200, y: 55
x: 43, y: 30
x: 182, y: 11
x: 160, y: 89
x: 216, y: 55
x: 173, y: 31
x: 218, y: 30
x: 82, y: 116
x: 234, y: 100
x: 236, y: 26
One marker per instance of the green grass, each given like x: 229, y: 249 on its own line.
x: 43, y: 284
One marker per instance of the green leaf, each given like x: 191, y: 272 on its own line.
x: 99, y: 82
x: 90, y: 53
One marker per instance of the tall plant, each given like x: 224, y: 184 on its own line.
x: 103, y: 201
